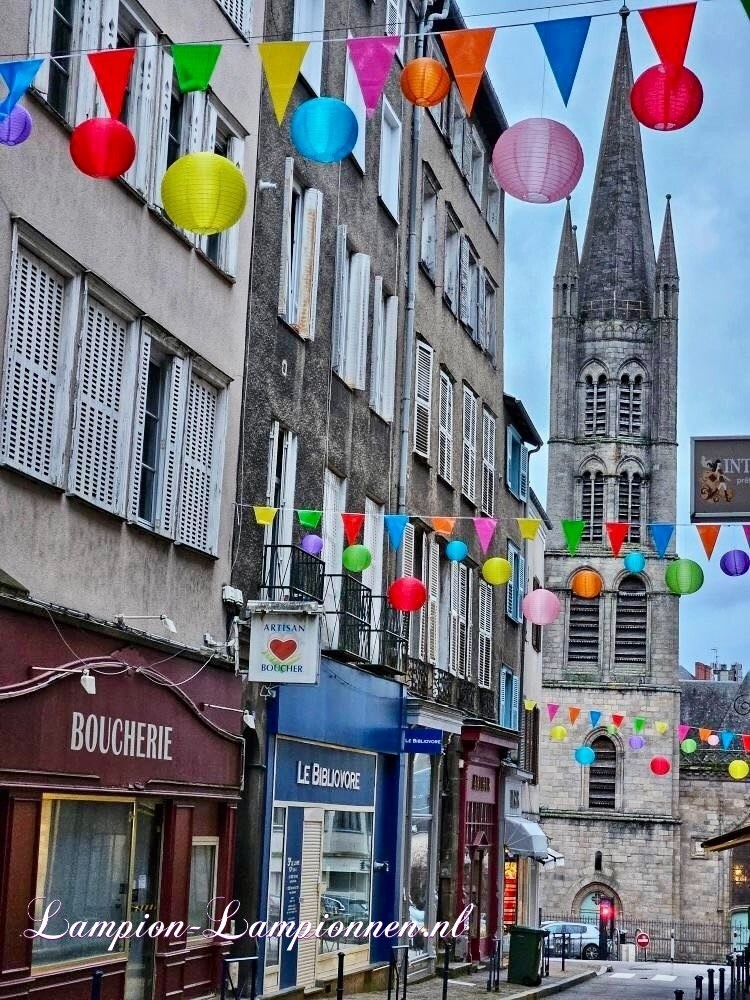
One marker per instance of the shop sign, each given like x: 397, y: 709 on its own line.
x: 284, y: 647
x: 512, y: 797
x: 315, y: 773
x: 720, y: 479
x: 480, y: 784
x: 421, y: 740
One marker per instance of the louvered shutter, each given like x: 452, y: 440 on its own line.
x: 523, y: 490
x: 469, y: 621
x: 421, y: 617
x: 285, y: 264
x: 372, y: 577
x: 406, y: 554
x: 521, y: 586
x: 501, y: 713
x: 464, y: 293
x: 102, y: 410
x: 108, y: 40
x: 433, y: 601
x: 310, y: 892
x: 469, y: 461
x: 34, y: 400
x: 308, y: 27
x: 174, y: 427
x: 377, y: 362
x: 358, y: 310
x: 481, y: 325
x: 484, y: 657
x: 488, y: 463
x: 237, y: 12
x: 454, y: 603
x: 200, y: 472
x: 230, y: 238
x: 423, y: 399
x: 509, y: 458
x: 312, y: 211
x: 164, y: 104
x: 510, y: 587
x: 141, y: 116
x: 40, y: 35
x: 285, y: 516
x: 340, y: 302
x: 445, y: 456
x: 429, y: 225
x: 139, y: 422
x: 515, y: 704
x: 468, y: 148
x: 389, y: 361
x: 463, y: 614
x: 82, y: 75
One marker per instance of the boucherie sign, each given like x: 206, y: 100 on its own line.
x: 284, y: 647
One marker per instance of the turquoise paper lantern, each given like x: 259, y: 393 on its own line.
x: 456, y: 550
x: 324, y: 129
x: 635, y: 562
x: 585, y: 756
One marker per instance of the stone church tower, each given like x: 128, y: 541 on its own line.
x: 612, y: 457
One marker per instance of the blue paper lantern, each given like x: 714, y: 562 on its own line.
x: 456, y: 550
x: 736, y: 562
x: 585, y: 756
x: 635, y: 562
x: 636, y: 742
x: 324, y: 129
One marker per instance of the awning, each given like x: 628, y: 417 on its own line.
x: 726, y: 841
x: 525, y: 839
x: 554, y: 859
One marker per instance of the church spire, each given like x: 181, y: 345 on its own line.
x: 618, y: 263
x: 666, y: 263
x: 566, y: 272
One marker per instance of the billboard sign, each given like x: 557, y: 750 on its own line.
x: 720, y: 479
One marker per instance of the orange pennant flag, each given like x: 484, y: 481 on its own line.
x: 704, y: 734
x: 443, y: 525
x: 708, y: 534
x: 573, y: 714
x: 467, y: 52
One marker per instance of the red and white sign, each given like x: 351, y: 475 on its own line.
x: 642, y: 940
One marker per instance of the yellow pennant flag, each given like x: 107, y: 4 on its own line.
x: 265, y: 515
x: 281, y: 64
x: 529, y: 704
x: 528, y: 527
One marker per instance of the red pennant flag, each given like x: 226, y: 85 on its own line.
x: 708, y: 535
x: 467, y: 52
x: 669, y: 29
x: 573, y: 714
x: 618, y: 720
x: 352, y: 527
x: 617, y: 532
x: 112, y: 69
x: 746, y: 742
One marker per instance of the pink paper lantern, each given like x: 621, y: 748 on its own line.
x: 666, y: 98
x: 538, y: 160
x: 541, y: 607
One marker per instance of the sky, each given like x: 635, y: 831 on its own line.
x: 705, y: 169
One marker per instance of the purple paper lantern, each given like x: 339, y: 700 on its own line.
x: 312, y: 545
x: 735, y: 562
x: 538, y: 160
x: 15, y: 128
x: 636, y: 742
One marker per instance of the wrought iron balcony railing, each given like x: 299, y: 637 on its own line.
x: 429, y: 682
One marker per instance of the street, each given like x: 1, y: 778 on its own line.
x: 645, y: 981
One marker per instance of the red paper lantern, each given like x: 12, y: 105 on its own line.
x: 666, y: 98
x: 538, y: 160
x: 425, y: 82
x: 660, y: 766
x: 102, y: 147
x: 407, y: 594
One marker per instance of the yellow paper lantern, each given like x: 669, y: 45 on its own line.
x: 558, y: 733
x: 587, y: 584
x: 204, y: 193
x: 739, y: 769
x: 497, y: 571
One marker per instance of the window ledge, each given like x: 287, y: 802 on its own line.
x: 388, y: 210
x: 421, y: 459
x: 292, y: 329
x: 386, y: 420
x: 161, y: 216
x: 230, y: 279
x: 446, y: 482
x: 187, y: 547
x: 149, y: 531
x: 447, y: 301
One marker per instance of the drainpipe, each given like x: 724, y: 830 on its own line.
x: 424, y: 24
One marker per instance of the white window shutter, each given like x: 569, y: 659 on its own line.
x: 445, y: 456
x: 340, y: 302
x: 358, y: 314
x: 164, y: 103
x: 308, y: 26
x: 406, y: 554
x: 230, y: 239
x: 469, y: 462
x: 423, y: 399
x: 312, y: 211
x: 377, y: 361
x: 521, y: 587
x: 454, y: 604
x: 510, y: 587
x: 509, y: 457
x: 524, y: 478
x: 469, y: 621
x: 484, y: 657
x: 389, y: 360
x: 237, y: 11
x: 82, y: 75
x: 467, y: 150
x: 174, y: 418
x: 463, y: 615
x: 481, y: 325
x: 433, y: 601
x: 353, y: 98
x: 463, y: 282
x: 515, y: 705
x: 285, y: 515
x: 285, y: 264
x: 199, y: 465
x: 488, y: 463
x: 139, y: 421
x: 108, y: 40
x: 421, y: 617
x: 143, y: 98
x: 40, y: 36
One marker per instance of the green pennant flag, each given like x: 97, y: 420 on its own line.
x: 573, y: 531
x: 309, y: 518
x: 194, y: 65
x: 639, y: 724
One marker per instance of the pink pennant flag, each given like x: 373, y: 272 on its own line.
x: 682, y: 731
x: 372, y: 58
x: 746, y: 529
x: 552, y: 710
x: 485, y: 529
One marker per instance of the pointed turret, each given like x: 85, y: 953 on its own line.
x: 667, y: 275
x: 618, y: 262
x: 566, y: 272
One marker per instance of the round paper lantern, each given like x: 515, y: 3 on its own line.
x: 713, y: 740
x: 102, y: 147
x: 558, y: 733
x: 312, y: 544
x: 356, y: 558
x: 497, y: 571
x: 688, y: 746
x: 660, y: 766
x: 324, y: 129
x: 541, y: 607
x: 666, y: 98
x: 586, y: 583
x: 425, y: 82
x: 635, y: 562
x: 584, y: 756
x: 538, y: 160
x: 684, y: 576
x: 636, y: 743
x: 736, y: 562
x: 15, y: 128
x: 456, y: 550
x: 204, y: 193
x: 407, y: 593
x: 739, y: 769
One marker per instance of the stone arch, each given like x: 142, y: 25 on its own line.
x: 593, y: 464
x: 631, y: 464
x: 632, y: 379
x: 598, y: 735
x: 593, y: 398
x: 602, y: 884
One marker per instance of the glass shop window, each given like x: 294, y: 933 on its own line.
x: 275, y: 880
x: 346, y: 876
x: 421, y: 834
x: 203, y: 858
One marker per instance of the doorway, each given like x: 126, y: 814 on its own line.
x: 144, y: 900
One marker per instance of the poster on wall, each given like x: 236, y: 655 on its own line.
x: 720, y: 479
x: 284, y: 647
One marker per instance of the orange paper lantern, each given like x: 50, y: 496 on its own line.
x: 587, y: 584
x: 425, y: 82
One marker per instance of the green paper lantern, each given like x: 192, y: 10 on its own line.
x: 688, y: 746
x: 684, y: 576
x: 356, y: 558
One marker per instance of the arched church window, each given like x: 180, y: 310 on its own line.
x: 603, y: 774
x: 598, y: 861
x: 592, y: 505
x: 629, y: 503
x: 667, y: 300
x: 583, y: 630
x: 631, y: 621
x: 595, y: 406
x: 630, y: 405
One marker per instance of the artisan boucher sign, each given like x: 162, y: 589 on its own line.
x: 720, y: 479
x: 284, y: 648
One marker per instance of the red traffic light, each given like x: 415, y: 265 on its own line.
x: 604, y: 910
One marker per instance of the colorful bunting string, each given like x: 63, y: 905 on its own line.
x: 18, y: 77
x: 281, y: 64
x: 563, y: 40
x: 353, y: 524
x: 194, y: 65
x: 617, y: 532
x: 372, y: 58
x: 467, y: 51
x: 708, y: 534
x: 573, y: 532
x: 669, y: 29
x: 112, y: 71
x: 485, y: 529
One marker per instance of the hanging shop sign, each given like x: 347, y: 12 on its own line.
x: 720, y: 479
x: 284, y: 646
x: 421, y: 740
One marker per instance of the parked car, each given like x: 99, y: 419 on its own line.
x: 582, y: 940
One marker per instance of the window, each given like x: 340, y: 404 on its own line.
x: 592, y: 505
x: 152, y: 433
x: 476, y: 174
x: 583, y: 630
x: 595, y: 406
x: 275, y: 880
x: 484, y: 657
x: 221, y: 248
x: 631, y: 621
x: 598, y: 861
x: 458, y: 120
x: 488, y: 329
x: 300, y: 254
x: 423, y: 399
x: 62, y: 44
x: 445, y: 448
x: 440, y: 113
x: 629, y: 504
x: 354, y: 99
x: 494, y: 204
x: 536, y: 630
x: 452, y: 262
x: 603, y: 774
x: 176, y: 132
x: 238, y: 12
x: 516, y: 464
x: 390, y: 160
x: 351, y: 310
x: 309, y: 21
x: 281, y: 484
x: 345, y: 874
x: 509, y: 699
x: 530, y: 745
x: 425, y: 623
x: 696, y: 848
x: 384, y: 339
x: 471, y: 282
x: 460, y: 619
x: 428, y: 253
x: 63, y: 28
x: 630, y: 405
x: 395, y: 22
x: 516, y: 586
x: 334, y: 502
x: 372, y: 577
x: 421, y: 895
x: 469, y: 453
x: 203, y: 857
x: 488, y: 463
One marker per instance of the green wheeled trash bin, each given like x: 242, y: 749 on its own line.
x: 525, y: 960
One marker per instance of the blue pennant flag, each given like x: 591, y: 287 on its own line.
x: 595, y: 716
x: 661, y: 535
x: 563, y: 41
x: 18, y: 76
x: 395, y: 525
x: 726, y: 739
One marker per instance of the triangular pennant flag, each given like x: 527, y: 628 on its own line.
x: 352, y: 527
x: 617, y: 531
x: 595, y: 717
x: 264, y: 515
x: 485, y: 529
x: 573, y: 531
x: 746, y: 527
x: 708, y: 536
x: 194, y: 65
x: 112, y: 69
x: 573, y: 714
x: 443, y: 525
x: 467, y: 52
x: 669, y: 29
x: 281, y: 64
x: 746, y: 742
x: 309, y: 519
x: 682, y: 731
x: 726, y: 739
x: 611, y: 728
x: 661, y: 535
x: 552, y: 710
x: 639, y: 724
x: 618, y: 720
x: 528, y: 526
x: 704, y: 734
x: 372, y: 58
x: 563, y: 40
x: 661, y: 727
x: 395, y: 525
x: 529, y: 704
x: 18, y: 76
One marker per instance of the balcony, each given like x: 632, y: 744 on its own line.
x: 433, y: 684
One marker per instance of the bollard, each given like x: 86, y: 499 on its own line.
x: 446, y: 960
x: 391, y: 967
x: 563, y: 952
x: 721, y: 984
x: 732, y: 978
x: 405, y: 971
x: 340, y: 978
x: 679, y: 995
x: 711, y: 993
x: 545, y: 957
x: 699, y: 988
x: 254, y: 980
x: 96, y: 984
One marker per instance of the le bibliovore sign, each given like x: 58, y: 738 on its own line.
x: 720, y: 479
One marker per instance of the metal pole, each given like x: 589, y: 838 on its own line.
x: 340, y: 978
x: 732, y: 978
x: 721, y: 984
x: 254, y: 979
x: 96, y: 984
x: 391, y: 967
x: 711, y: 993
x: 563, y: 952
x: 405, y: 971
x: 699, y: 988
x: 446, y: 960
x: 679, y: 995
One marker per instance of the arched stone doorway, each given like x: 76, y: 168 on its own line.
x: 586, y: 902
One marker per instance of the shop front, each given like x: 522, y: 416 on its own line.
x: 525, y: 848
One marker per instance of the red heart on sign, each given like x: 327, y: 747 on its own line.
x: 283, y: 649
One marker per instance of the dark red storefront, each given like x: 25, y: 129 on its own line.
x: 119, y: 804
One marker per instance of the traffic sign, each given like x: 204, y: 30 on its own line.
x: 642, y: 940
